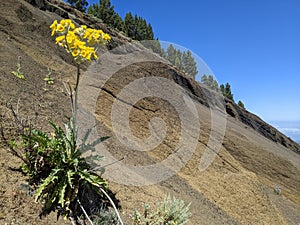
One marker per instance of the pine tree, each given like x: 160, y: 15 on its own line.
x: 154, y: 45
x: 182, y: 60
x: 150, y: 34
x: 118, y: 23
x: 79, y: 4
x: 105, y: 11
x: 94, y: 10
x: 178, y: 60
x: 210, y: 82
x: 222, y: 89
x: 163, y: 53
x: 226, y: 91
x: 129, y: 25
x: 215, y: 85
x: 137, y: 28
x: 204, y: 79
x: 241, y: 104
x: 189, y: 64
x: 140, y: 28
x: 171, y: 54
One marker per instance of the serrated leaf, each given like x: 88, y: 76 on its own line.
x: 58, y: 130
x: 51, y: 178
x: 55, y: 194
x: 92, y: 179
x: 70, y: 174
x: 68, y: 132
x: 62, y: 191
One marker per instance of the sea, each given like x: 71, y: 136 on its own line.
x: 289, y: 128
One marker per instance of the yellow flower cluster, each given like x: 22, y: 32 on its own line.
x: 81, y: 42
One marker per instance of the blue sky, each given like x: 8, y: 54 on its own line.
x: 254, y: 45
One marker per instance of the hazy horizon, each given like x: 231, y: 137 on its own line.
x: 289, y: 128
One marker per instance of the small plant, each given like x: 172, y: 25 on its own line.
x: 57, y: 166
x: 277, y: 190
x: 48, y: 78
x: 18, y: 72
x: 105, y: 216
x: 171, y: 211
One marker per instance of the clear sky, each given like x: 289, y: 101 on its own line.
x: 253, y: 44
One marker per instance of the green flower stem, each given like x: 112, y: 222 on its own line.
x: 75, y: 103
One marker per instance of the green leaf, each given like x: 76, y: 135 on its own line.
x: 55, y: 193
x: 77, y: 154
x: 68, y: 141
x: 13, y: 144
x: 62, y: 191
x: 24, y: 168
x: 51, y: 178
x: 68, y: 132
x: 70, y: 174
x: 18, y: 74
x: 49, y: 80
x: 58, y: 130
x: 92, y: 179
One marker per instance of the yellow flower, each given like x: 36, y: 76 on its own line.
x: 95, y: 55
x: 87, y: 33
x: 75, y: 53
x: 60, y: 39
x: 106, y: 37
x: 88, y: 57
x: 100, y: 32
x: 67, y: 23
x: 79, y: 42
x: 70, y: 37
x: 72, y: 26
x: 53, y: 27
x: 60, y: 28
x: 84, y: 53
x: 72, y: 46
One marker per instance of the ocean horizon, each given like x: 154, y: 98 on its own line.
x: 290, y: 128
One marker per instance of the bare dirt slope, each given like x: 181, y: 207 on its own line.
x: 237, y: 188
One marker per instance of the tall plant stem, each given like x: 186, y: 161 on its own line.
x: 76, y: 85
x: 75, y: 101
